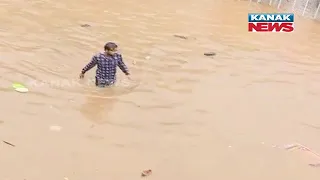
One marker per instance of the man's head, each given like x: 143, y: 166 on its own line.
x: 111, y: 48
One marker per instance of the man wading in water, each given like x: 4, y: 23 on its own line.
x: 107, y: 63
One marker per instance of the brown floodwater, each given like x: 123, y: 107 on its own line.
x: 185, y: 116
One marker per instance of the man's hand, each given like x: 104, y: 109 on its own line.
x: 81, y: 76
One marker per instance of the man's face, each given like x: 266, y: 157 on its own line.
x: 112, y: 51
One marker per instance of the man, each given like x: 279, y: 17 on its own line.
x: 107, y: 63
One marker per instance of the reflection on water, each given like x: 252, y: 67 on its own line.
x: 95, y: 107
x: 186, y: 116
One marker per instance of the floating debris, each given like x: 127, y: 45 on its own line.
x: 291, y: 146
x: 55, y: 128
x: 315, y: 165
x: 17, y: 85
x: 85, y: 25
x: 20, y: 87
x: 300, y: 147
x: 297, y: 146
x: 9, y: 143
x: 146, y: 173
x: 180, y: 36
x: 209, y: 53
x: 22, y: 90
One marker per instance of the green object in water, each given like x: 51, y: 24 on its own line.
x: 17, y: 85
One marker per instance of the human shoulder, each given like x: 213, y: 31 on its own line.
x: 118, y: 56
x: 97, y: 55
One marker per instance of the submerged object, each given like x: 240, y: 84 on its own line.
x: 146, y: 173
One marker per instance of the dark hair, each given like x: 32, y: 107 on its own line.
x: 110, y: 45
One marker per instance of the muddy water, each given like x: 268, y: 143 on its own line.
x: 185, y: 116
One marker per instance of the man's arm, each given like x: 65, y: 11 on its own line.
x: 123, y: 66
x: 90, y: 65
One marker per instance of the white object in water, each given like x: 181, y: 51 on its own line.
x: 55, y: 128
x: 22, y: 89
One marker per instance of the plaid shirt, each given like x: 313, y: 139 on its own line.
x: 107, y: 67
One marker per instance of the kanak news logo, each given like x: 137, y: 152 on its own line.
x: 270, y: 22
